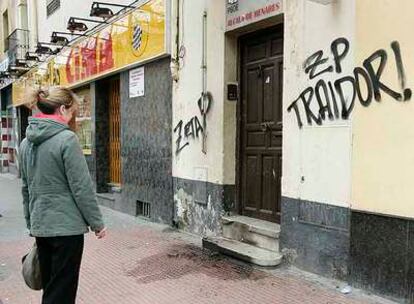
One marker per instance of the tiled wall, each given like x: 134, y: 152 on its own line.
x: 382, y: 255
x: 146, y: 148
x: 316, y: 236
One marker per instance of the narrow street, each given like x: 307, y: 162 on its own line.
x: 141, y: 262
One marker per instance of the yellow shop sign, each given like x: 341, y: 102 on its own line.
x: 136, y: 37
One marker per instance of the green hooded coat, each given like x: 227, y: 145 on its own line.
x: 58, y: 194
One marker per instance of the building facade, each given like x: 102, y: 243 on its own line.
x: 294, y: 114
x: 16, y: 18
x: 120, y: 67
x: 297, y: 112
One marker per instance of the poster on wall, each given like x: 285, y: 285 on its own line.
x: 240, y: 13
x: 137, y: 82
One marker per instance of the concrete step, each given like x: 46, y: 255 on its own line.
x: 243, y: 251
x: 252, y: 231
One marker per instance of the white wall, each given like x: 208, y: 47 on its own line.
x: 10, y: 6
x: 21, y: 15
x: 316, y: 159
x: 32, y: 22
x: 189, y: 87
x: 59, y: 19
x: 383, y: 145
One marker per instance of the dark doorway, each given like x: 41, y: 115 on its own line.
x: 261, y: 124
x: 25, y: 113
x: 105, y: 94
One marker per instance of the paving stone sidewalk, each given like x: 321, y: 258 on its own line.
x: 141, y: 262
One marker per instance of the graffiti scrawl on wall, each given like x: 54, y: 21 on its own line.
x: 193, y: 128
x: 327, y: 99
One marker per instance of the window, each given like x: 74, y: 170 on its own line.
x: 83, y: 120
x: 5, y: 30
x: 22, y: 11
x: 52, y: 6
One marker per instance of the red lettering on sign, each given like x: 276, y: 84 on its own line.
x: 72, y: 64
x: 82, y: 67
x: 106, y: 60
x: 69, y: 75
x: 89, y: 58
x: 86, y: 60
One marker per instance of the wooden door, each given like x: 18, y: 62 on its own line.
x: 115, y: 133
x: 261, y: 124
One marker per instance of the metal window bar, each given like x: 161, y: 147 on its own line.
x: 115, y: 133
x: 143, y: 209
x: 52, y: 7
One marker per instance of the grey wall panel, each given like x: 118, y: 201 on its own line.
x: 146, y: 149
x: 382, y: 251
x: 316, y: 236
x: 202, y: 204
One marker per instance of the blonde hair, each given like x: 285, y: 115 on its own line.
x: 47, y: 101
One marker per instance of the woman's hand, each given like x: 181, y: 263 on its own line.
x: 101, y: 233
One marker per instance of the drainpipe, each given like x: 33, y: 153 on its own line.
x: 175, y: 34
x: 175, y: 62
x: 32, y: 7
x: 204, y: 54
x: 206, y: 99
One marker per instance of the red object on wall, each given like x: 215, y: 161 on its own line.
x: 92, y: 56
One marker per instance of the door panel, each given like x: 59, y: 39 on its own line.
x: 252, y: 111
x: 261, y: 124
x: 277, y: 46
x: 277, y: 91
x: 268, y: 95
x: 256, y: 51
x: 256, y: 139
x: 269, y: 189
x: 253, y: 169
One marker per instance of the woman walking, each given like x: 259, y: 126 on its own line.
x: 58, y: 196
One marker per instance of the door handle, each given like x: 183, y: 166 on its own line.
x: 266, y: 126
x: 260, y: 72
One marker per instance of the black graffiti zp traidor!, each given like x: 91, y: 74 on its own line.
x: 330, y: 96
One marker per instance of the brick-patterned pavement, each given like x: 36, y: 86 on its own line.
x: 147, y: 263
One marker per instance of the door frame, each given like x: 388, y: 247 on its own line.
x: 239, y: 164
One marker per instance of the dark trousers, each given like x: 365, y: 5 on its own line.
x: 60, y: 260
